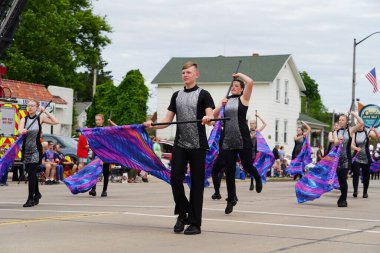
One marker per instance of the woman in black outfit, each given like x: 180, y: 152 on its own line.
x: 31, y: 126
x: 236, y: 138
x: 343, y: 135
x: 360, y: 144
x: 298, y: 142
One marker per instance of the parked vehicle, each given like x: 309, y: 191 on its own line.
x: 68, y: 145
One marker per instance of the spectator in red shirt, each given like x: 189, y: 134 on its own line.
x: 82, y: 150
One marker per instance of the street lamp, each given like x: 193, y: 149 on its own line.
x: 353, y: 69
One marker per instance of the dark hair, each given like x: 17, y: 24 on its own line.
x: 242, y: 84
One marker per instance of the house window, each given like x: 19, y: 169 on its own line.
x: 286, y: 92
x: 276, y: 130
x: 278, y: 90
x: 285, y: 131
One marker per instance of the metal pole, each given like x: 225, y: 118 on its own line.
x: 354, y: 76
x: 94, y: 84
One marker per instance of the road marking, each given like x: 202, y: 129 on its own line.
x: 53, y: 211
x: 261, y: 223
x: 295, y: 215
x: 53, y: 218
x: 207, y: 209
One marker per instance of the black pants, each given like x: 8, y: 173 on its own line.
x: 32, y: 168
x: 356, y: 174
x: 193, y: 207
x: 217, y: 172
x: 342, y: 178
x: 106, y: 176
x: 230, y: 158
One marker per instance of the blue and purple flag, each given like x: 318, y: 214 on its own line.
x: 320, y: 178
x: 298, y: 164
x: 10, y: 155
x: 86, y: 178
x: 264, y: 158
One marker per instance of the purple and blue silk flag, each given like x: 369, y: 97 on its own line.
x: 320, y: 178
x: 128, y: 145
x: 375, y: 166
x: 10, y: 155
x: 298, y: 164
x: 213, y: 143
x: 86, y: 178
x: 264, y: 158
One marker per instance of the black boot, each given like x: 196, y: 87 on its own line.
x: 180, y: 224
x: 29, y: 203
x: 92, y: 192
x: 230, y: 206
x: 216, y: 196
x: 192, y: 230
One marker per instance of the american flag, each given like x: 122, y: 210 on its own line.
x: 371, y: 76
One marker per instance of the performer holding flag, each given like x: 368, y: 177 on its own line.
x: 299, y: 140
x: 190, y: 146
x: 236, y: 137
x: 253, y: 130
x: 31, y: 126
x: 345, y: 160
x: 99, y: 121
x: 360, y: 144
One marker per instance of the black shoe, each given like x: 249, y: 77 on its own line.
x: 259, y: 185
x: 355, y: 194
x: 145, y: 180
x: 104, y: 194
x: 180, y: 225
x: 342, y: 203
x: 230, y: 207
x: 216, y: 196
x: 92, y: 192
x: 365, y: 195
x: 192, y: 230
x: 36, y: 198
x: 29, y: 203
x: 251, y: 187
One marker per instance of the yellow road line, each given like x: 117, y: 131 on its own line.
x: 52, y: 218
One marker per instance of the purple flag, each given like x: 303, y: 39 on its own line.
x: 85, y: 179
x: 264, y: 158
x: 298, y: 164
x: 320, y: 178
x: 10, y: 155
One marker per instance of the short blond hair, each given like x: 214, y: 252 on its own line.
x: 189, y: 64
x: 100, y: 115
x: 35, y: 101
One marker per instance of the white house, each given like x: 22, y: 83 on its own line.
x: 276, y: 94
x: 81, y: 108
x: 63, y: 112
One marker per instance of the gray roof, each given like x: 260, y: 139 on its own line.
x: 81, y: 106
x: 219, y: 69
x: 310, y: 120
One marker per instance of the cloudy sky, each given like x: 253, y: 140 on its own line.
x: 319, y: 35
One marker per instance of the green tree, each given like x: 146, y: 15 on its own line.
x: 311, y: 103
x: 103, y: 102
x: 128, y: 101
x: 55, y: 38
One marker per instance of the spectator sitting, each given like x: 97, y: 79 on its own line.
x: 59, y: 159
x: 48, y: 161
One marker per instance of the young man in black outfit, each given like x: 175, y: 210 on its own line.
x: 190, y: 146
